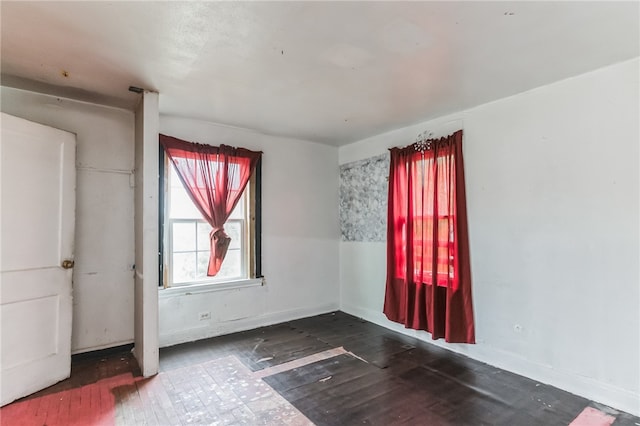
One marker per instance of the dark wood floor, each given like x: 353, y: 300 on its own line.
x: 381, y: 377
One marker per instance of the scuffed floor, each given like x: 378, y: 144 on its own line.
x: 327, y: 370
x: 218, y: 392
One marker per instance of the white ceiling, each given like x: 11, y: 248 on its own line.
x: 330, y: 72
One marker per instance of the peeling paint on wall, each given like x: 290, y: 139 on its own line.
x: 363, y: 199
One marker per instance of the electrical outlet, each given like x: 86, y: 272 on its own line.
x: 202, y: 316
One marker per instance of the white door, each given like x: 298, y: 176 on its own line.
x: 37, y: 217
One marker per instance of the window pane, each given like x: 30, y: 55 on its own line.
x: 181, y: 206
x: 184, y: 267
x: 234, y: 230
x: 184, y: 236
x: 203, y: 236
x: 238, y: 211
x: 232, y: 265
x: 174, y: 180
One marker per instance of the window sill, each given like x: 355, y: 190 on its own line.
x: 187, y: 290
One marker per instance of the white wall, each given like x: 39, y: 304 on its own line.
x: 300, y: 238
x: 553, y: 192
x: 104, y: 251
x: 146, y: 234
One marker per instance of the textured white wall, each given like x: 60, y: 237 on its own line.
x: 146, y: 234
x: 300, y: 238
x: 553, y: 194
x: 104, y: 251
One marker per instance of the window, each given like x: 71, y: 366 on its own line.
x: 213, y: 179
x: 428, y: 270
x: 433, y: 220
x: 425, y: 220
x: 188, y: 246
x: 423, y: 249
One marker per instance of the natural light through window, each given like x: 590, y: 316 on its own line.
x: 189, y: 244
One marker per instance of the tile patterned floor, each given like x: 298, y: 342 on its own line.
x: 218, y: 392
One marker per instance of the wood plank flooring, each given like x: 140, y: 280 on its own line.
x: 331, y: 369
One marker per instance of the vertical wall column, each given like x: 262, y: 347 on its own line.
x: 146, y: 234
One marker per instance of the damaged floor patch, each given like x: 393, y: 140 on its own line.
x: 300, y: 362
x: 592, y: 417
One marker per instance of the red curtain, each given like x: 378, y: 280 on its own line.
x: 428, y: 269
x: 214, y: 177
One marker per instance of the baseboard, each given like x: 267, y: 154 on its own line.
x: 594, y: 390
x: 219, y: 329
x: 101, y: 347
x: 100, y: 353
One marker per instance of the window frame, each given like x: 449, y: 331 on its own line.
x: 252, y: 229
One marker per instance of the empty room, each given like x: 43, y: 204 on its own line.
x: 226, y: 213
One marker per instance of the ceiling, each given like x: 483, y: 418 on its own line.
x: 329, y: 72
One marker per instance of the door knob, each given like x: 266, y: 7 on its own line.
x: 67, y: 264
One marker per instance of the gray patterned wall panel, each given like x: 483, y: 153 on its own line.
x: 363, y: 199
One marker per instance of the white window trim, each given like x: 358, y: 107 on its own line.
x: 187, y: 290
x: 208, y: 285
